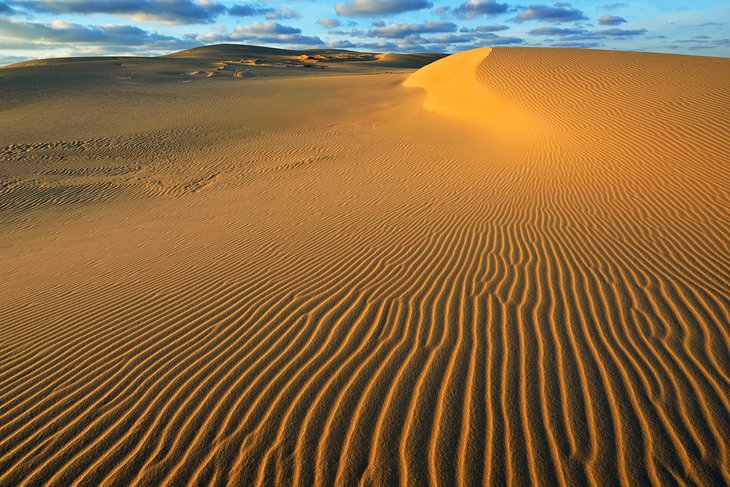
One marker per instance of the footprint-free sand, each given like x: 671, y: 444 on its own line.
x: 245, y: 266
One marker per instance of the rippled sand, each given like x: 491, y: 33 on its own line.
x: 247, y: 266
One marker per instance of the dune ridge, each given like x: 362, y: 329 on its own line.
x: 454, y: 89
x: 526, y: 282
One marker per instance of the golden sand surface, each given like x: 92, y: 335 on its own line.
x: 245, y: 266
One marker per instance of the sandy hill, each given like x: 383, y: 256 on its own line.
x: 226, y: 59
x: 233, y: 51
x: 509, y: 267
x: 227, y: 51
x: 204, y: 64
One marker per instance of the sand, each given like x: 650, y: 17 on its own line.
x: 509, y: 267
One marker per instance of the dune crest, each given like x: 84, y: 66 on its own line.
x: 454, y: 89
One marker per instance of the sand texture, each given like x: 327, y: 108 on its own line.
x: 224, y: 267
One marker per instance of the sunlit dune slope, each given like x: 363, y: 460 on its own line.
x: 454, y: 88
x: 510, y: 267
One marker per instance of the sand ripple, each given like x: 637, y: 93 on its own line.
x: 540, y: 297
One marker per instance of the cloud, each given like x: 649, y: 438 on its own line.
x: 450, y: 39
x: 577, y: 44
x: 249, y: 10
x: 329, y: 23
x: 496, y: 40
x: 579, y: 34
x: 695, y: 40
x: 560, y: 12
x: 398, y: 31
x: 164, y: 11
x: 611, y: 20
x: 283, y: 13
x: 5, y: 9
x: 266, y: 28
x: 290, y: 39
x: 418, y: 38
x: 341, y: 44
x: 414, y: 41
x: 485, y: 28
x: 355, y: 8
x: 475, y: 8
x: 556, y: 31
x: 35, y: 34
x: 701, y: 42
x: 488, y: 40
x: 266, y: 32
x: 381, y: 46
x: 255, y: 10
x: 618, y: 33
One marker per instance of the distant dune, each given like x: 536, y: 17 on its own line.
x: 228, y: 266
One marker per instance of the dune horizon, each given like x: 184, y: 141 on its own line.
x: 241, y: 265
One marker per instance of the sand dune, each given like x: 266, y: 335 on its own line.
x: 510, y: 267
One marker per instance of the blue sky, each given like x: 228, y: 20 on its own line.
x: 52, y: 28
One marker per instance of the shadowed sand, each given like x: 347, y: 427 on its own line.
x: 509, y: 267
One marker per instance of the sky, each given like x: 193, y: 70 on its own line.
x: 31, y: 29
